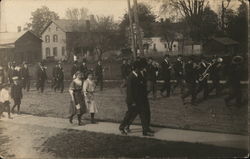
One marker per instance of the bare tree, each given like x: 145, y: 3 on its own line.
x: 77, y: 14
x: 191, y: 10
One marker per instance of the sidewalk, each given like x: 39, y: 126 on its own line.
x: 167, y: 134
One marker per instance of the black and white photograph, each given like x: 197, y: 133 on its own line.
x: 124, y: 79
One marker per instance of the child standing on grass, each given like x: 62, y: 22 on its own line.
x: 88, y: 90
x: 16, y: 94
x: 4, y: 99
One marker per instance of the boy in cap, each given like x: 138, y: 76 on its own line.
x: 16, y: 94
x: 4, y: 99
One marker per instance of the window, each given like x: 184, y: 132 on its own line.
x: 47, y: 39
x: 55, y: 51
x: 63, y: 51
x: 47, y: 51
x: 55, y: 38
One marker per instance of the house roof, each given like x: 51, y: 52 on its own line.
x: 65, y: 24
x: 225, y: 40
x: 8, y: 38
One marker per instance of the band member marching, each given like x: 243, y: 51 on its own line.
x: 179, y: 74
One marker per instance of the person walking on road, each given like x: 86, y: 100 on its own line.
x: 77, y: 103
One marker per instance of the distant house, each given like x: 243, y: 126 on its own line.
x: 190, y: 47
x: 62, y: 38
x: 220, y: 46
x: 20, y: 46
x: 159, y: 45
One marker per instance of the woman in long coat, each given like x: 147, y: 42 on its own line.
x: 88, y: 89
x: 77, y: 104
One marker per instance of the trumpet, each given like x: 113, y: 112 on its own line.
x: 205, y: 74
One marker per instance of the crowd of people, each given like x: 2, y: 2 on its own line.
x: 139, y: 78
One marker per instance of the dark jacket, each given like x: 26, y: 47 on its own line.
x: 166, y: 70
x: 191, y: 73
x: 99, y: 71
x: 136, y: 90
x: 41, y: 74
x: 151, y: 73
x: 178, y: 68
x: 25, y: 73
x: 74, y: 69
x: 16, y: 91
x: 60, y: 74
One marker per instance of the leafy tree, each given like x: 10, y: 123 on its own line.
x: 77, y: 14
x: 237, y: 26
x: 39, y: 18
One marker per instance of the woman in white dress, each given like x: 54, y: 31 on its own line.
x: 88, y: 90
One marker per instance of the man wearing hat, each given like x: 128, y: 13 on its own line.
x: 136, y: 100
x: 166, y: 75
x: 59, y: 77
x: 41, y: 77
x: 179, y: 73
x: 234, y: 77
x: 1, y: 75
x: 83, y: 68
x: 16, y: 94
x: 74, y: 68
x: 25, y: 75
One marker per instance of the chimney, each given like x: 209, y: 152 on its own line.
x: 87, y: 25
x: 19, y: 29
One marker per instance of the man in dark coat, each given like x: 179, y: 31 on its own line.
x: 215, y: 75
x: 25, y: 76
x: 179, y: 74
x: 74, y: 68
x: 2, y: 76
x: 234, y: 77
x: 84, y: 69
x: 54, y: 77
x: 166, y: 75
x: 99, y: 75
x: 191, y: 78
x: 203, y: 85
x: 137, y: 101
x: 151, y: 76
x: 41, y: 77
x: 59, y: 78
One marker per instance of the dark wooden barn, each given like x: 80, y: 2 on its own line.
x: 220, y: 46
x: 19, y: 47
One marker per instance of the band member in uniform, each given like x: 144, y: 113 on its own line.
x: 234, y: 78
x: 54, y: 77
x: 191, y: 77
x: 84, y: 69
x: 166, y: 75
x: 41, y: 77
x: 215, y: 74
x: 203, y: 85
x: 25, y: 76
x: 99, y: 74
x: 59, y: 77
x: 88, y: 90
x: 77, y: 104
x: 179, y: 71
x: 74, y: 68
x: 136, y: 100
x: 151, y: 76
x: 16, y: 94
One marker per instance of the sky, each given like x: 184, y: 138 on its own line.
x: 18, y: 12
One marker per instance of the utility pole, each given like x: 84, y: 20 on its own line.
x: 131, y: 31
x: 138, y: 31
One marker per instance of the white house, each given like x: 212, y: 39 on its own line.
x: 159, y: 45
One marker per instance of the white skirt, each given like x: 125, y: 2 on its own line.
x: 92, y: 106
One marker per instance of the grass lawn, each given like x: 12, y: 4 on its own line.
x: 72, y: 143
